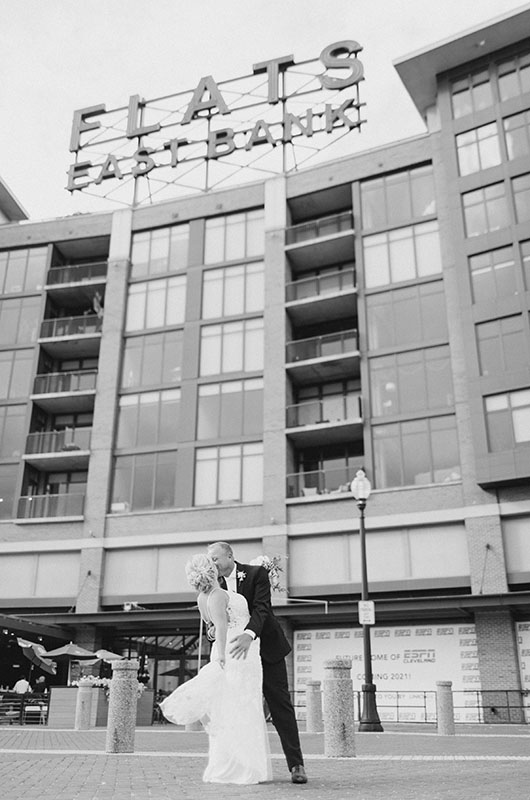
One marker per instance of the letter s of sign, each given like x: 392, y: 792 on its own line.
x: 337, y: 56
x: 144, y: 162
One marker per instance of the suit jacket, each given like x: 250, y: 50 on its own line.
x: 255, y: 587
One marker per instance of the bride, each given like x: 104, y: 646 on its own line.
x: 226, y: 695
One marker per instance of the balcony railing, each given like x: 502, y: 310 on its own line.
x: 71, y: 326
x: 330, y: 409
x: 57, y: 382
x: 322, y: 481
x: 319, y: 285
x: 70, y: 439
x: 331, y: 344
x: 76, y: 273
x: 318, y: 228
x: 50, y: 505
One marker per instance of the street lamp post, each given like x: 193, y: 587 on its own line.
x: 361, y: 488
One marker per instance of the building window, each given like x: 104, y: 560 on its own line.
x: 410, y: 382
x: 514, y: 76
x: 328, y: 469
x: 508, y: 420
x: 148, y: 419
x: 230, y: 409
x: 493, y: 275
x: 521, y: 194
x: 502, y: 346
x: 517, y: 135
x: 471, y: 94
x: 401, y: 255
x: 398, y: 198
x: 156, y: 304
x: 152, y: 360
x: 416, y: 453
x: 159, y: 251
x: 8, y: 481
x: 19, y: 320
x: 407, y: 316
x: 229, y: 474
x: 12, y: 431
x: 525, y: 257
x: 232, y: 291
x: 16, y: 373
x: 478, y: 149
x: 144, y: 481
x: 233, y: 237
x: 22, y: 270
x: 485, y: 210
x: 232, y: 347
x: 328, y: 402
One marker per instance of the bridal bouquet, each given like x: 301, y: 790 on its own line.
x: 273, y: 566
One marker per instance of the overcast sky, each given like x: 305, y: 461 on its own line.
x: 60, y: 55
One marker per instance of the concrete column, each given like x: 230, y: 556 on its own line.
x: 313, y: 707
x: 338, y: 708
x: 444, y: 708
x: 122, y: 707
x: 83, y: 706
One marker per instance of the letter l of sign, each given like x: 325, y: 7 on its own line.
x: 135, y: 106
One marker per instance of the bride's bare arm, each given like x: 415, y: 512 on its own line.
x: 217, y: 608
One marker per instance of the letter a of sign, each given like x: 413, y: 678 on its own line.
x: 197, y: 104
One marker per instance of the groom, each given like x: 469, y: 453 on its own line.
x: 253, y: 583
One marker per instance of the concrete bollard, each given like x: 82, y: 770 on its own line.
x: 338, y: 708
x: 313, y: 707
x: 122, y: 707
x: 83, y: 705
x: 444, y: 708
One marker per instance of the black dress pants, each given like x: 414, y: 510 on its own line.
x: 276, y: 693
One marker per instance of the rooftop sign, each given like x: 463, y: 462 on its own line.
x: 207, y: 136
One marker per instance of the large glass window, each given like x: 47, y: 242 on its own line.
x: 230, y: 409
x: 517, y: 135
x: 144, y: 481
x: 19, y: 320
x: 232, y: 291
x: 22, y: 270
x: 12, y: 431
x: 152, y: 360
x: 232, y: 347
x: 233, y: 237
x: 478, y: 149
x: 160, y: 250
x: 407, y: 316
x: 485, y: 209
x: 525, y: 257
x: 508, y: 419
x: 156, y: 304
x: 402, y: 254
x: 148, y: 419
x: 502, y: 345
x: 411, y: 382
x: 229, y: 474
x: 493, y: 275
x: 16, y: 372
x: 514, y: 76
x: 416, y: 453
x: 398, y: 198
x: 8, y: 481
x: 471, y: 93
x: 521, y: 194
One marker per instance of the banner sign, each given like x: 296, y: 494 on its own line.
x: 206, y: 136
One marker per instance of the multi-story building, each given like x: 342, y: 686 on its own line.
x: 220, y: 366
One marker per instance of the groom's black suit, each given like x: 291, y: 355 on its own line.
x: 253, y: 583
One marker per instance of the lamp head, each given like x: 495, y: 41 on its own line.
x: 360, y: 486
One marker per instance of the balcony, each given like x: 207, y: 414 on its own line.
x: 321, y: 242
x: 321, y: 482
x: 77, y: 273
x: 67, y: 337
x: 67, y: 450
x: 333, y: 356
x: 46, y: 506
x: 322, y: 297
x: 60, y: 392
x: 328, y: 421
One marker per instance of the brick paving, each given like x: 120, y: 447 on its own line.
x: 486, y: 762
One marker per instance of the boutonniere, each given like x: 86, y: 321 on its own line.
x: 241, y: 575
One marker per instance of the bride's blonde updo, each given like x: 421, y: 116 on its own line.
x: 201, y: 572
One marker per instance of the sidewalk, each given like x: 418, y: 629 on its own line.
x: 403, y: 763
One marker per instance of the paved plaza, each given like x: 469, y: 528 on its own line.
x: 403, y: 763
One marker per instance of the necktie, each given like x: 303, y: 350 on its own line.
x: 222, y: 582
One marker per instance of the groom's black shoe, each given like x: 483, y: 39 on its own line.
x: 298, y: 774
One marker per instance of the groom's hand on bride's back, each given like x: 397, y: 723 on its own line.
x: 239, y: 646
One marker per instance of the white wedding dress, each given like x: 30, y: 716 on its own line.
x: 229, y: 704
